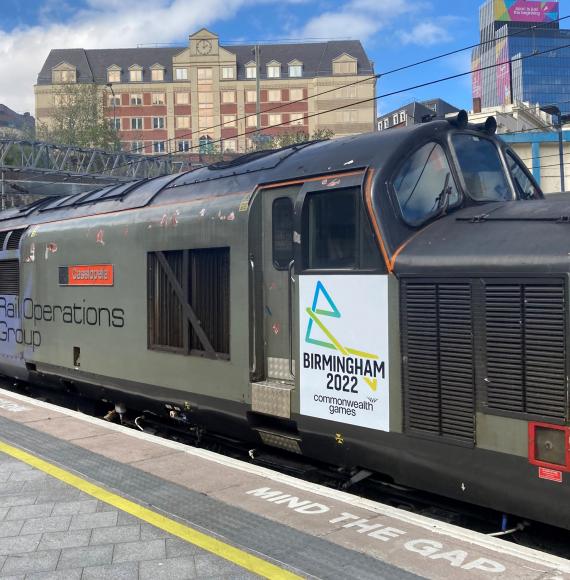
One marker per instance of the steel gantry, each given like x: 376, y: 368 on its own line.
x: 79, y: 165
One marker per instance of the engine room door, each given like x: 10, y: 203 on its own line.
x: 279, y: 313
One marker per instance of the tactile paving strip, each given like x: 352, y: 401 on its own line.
x: 302, y: 552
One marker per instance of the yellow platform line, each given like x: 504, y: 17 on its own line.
x: 244, y: 559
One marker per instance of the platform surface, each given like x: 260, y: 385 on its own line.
x: 92, y: 499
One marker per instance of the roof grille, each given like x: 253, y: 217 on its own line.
x: 437, y: 345
x: 525, y: 348
x: 14, y: 239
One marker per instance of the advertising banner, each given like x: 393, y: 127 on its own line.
x: 525, y: 11
x: 477, y: 79
x: 344, y: 349
x: 503, y: 72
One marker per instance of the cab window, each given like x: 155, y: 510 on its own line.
x: 526, y: 189
x: 425, y: 184
x: 481, y: 168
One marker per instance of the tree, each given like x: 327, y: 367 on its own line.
x: 286, y: 139
x: 78, y: 119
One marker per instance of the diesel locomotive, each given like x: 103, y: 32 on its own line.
x: 395, y: 302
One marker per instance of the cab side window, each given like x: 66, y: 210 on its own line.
x: 525, y: 187
x: 422, y: 183
x: 336, y: 232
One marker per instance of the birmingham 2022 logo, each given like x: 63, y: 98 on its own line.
x: 348, y: 360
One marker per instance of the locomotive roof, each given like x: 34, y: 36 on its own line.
x: 239, y: 176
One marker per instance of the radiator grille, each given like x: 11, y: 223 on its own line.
x: 437, y: 336
x: 525, y: 348
x: 9, y: 277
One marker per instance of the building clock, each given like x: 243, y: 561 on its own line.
x: 203, y: 47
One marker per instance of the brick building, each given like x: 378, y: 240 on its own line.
x: 199, y: 94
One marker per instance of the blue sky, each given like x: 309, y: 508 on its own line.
x: 394, y: 33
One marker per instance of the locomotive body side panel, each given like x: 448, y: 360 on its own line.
x: 84, y: 327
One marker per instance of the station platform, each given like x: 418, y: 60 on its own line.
x: 84, y: 498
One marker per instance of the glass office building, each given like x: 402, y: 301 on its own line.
x: 517, y: 71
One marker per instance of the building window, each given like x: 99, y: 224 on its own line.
x: 251, y: 121
x: 204, y: 78
x: 158, y: 99
x: 136, y: 123
x: 395, y: 119
x: 386, y: 123
x: 183, y: 145
x: 114, y: 101
x: 228, y: 96
x: 158, y: 146
x: 348, y: 116
x: 115, y: 124
x: 113, y: 76
x: 190, y: 280
x: 282, y: 224
x: 274, y: 95
x: 402, y: 116
x: 181, y: 74
x: 205, y: 100
x: 183, y: 122
x: 295, y: 70
x: 137, y: 147
x: 205, y: 144
x: 182, y: 98
x: 135, y: 75
x: 157, y: 74
x: 136, y: 99
x: 63, y: 76
x: 344, y: 68
x: 228, y: 72
x: 296, y: 118
x: 295, y: 94
x: 229, y: 120
x: 205, y: 121
x: 250, y: 72
x: 230, y: 145
x: 275, y: 119
x: 273, y: 72
x: 348, y: 92
x: 158, y: 122
x: 251, y: 96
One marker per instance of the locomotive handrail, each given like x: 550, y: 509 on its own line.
x: 290, y: 282
x: 253, y: 369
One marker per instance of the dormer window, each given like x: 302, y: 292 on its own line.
x: 63, y: 73
x: 273, y: 70
x: 156, y: 73
x: 135, y: 74
x: 344, y: 65
x: 295, y: 68
x: 114, y: 74
x: 250, y: 70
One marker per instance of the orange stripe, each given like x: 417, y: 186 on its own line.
x: 404, y: 244
x: 368, y: 198
x: 311, y: 179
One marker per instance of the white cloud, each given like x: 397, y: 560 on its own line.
x: 358, y: 19
x: 425, y: 34
x: 102, y: 24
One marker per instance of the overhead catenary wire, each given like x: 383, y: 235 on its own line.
x: 377, y: 97
x: 365, y: 79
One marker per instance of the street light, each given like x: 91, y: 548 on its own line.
x: 560, y: 119
x: 110, y: 85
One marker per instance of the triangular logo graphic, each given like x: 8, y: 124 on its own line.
x: 323, y: 305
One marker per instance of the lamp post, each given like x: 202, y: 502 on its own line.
x: 110, y: 85
x: 560, y: 118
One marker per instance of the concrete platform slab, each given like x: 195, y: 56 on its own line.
x: 300, y: 527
